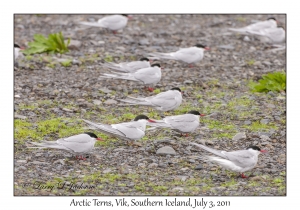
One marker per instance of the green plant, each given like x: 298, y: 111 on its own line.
x: 270, y: 82
x: 54, y: 44
x: 66, y: 63
x: 250, y: 62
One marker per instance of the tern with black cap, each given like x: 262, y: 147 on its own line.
x: 79, y: 144
x: 237, y: 161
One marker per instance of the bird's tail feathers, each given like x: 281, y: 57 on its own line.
x: 92, y: 24
x: 163, y: 55
x: 119, y: 76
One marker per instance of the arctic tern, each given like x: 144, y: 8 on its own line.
x: 17, y: 49
x: 128, y: 67
x: 164, y: 101
x: 186, y: 123
x: 79, y: 144
x: 255, y: 27
x: 274, y: 35
x: 130, y: 131
x: 188, y: 55
x: 149, y: 75
x: 237, y: 161
x: 112, y: 22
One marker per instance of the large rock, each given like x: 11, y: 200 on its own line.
x: 166, y: 151
x: 239, y: 136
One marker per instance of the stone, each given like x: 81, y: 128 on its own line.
x: 177, y: 189
x: 247, y: 122
x: 17, y: 116
x: 153, y: 165
x: 39, y: 163
x: 105, y: 90
x: 110, y: 102
x: 74, y: 44
x: 246, y: 39
x: 21, y: 161
x: 264, y: 121
x: 265, y: 138
x: 181, y: 178
x: 97, y: 102
x: 67, y: 110
x: 199, y: 167
x: 188, y: 82
x: 239, y: 136
x: 106, y: 171
x: 167, y: 150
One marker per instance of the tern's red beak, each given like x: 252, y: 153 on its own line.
x: 202, y: 115
x: 152, y: 121
x: 22, y: 48
x: 207, y: 48
x: 263, y: 151
x: 99, y: 139
x: 130, y: 17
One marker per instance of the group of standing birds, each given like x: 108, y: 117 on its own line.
x: 150, y: 74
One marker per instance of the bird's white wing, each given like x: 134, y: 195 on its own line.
x: 242, y: 158
x: 151, y: 75
x: 167, y: 100
x: 132, y: 130
x: 184, y: 123
x: 113, y: 22
x: 189, y: 55
x: 79, y: 144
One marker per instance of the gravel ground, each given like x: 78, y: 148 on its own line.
x: 51, y: 98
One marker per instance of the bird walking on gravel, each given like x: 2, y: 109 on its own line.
x: 188, y: 55
x: 128, y: 67
x: 255, y: 27
x: 147, y: 76
x: 130, y: 131
x: 79, y: 144
x: 164, y: 101
x: 185, y: 123
x: 237, y: 161
x: 111, y: 22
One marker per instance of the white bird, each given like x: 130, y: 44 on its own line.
x: 187, y: 55
x: 79, y: 144
x: 237, y: 161
x: 130, y: 131
x: 164, y: 101
x: 274, y: 35
x: 255, y: 27
x: 185, y: 123
x: 17, y: 49
x: 128, y: 67
x: 150, y: 75
x: 112, y: 22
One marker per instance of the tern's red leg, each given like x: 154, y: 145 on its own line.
x: 115, y: 32
x: 243, y: 176
x: 80, y: 157
x: 186, y: 135
x: 149, y: 89
x: 191, y: 65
